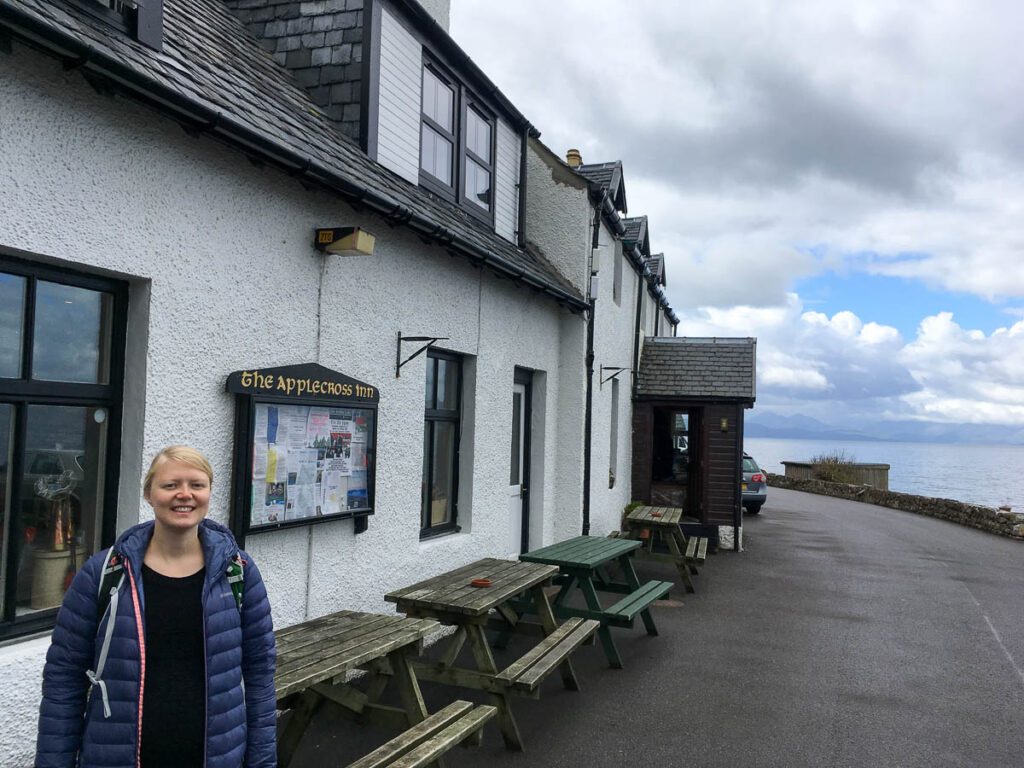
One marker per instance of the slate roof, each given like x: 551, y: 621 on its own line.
x: 215, y: 77
x: 698, y: 368
x: 636, y: 234
x: 608, y: 178
x: 656, y: 263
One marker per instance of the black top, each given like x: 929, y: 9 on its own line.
x: 174, y: 696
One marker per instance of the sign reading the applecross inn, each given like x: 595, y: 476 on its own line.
x: 305, y: 448
x: 309, y: 380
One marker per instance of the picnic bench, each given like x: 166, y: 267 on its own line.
x: 314, y: 659
x: 583, y: 562
x: 452, y: 599
x: 663, y: 522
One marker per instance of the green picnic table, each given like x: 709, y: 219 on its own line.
x: 583, y: 562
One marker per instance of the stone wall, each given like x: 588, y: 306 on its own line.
x: 985, y: 518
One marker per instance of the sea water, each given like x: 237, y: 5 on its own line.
x: 978, y: 474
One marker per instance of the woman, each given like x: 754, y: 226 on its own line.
x: 185, y: 675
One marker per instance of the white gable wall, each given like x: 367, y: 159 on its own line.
x: 224, y: 277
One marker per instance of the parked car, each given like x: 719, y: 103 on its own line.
x: 755, y: 485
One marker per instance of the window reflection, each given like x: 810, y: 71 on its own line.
x: 5, y: 494
x: 12, y: 311
x: 72, y: 334
x: 438, y: 100
x: 436, y: 155
x: 59, y: 516
x: 478, y: 184
x: 478, y: 135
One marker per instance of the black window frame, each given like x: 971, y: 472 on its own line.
x: 432, y: 416
x: 427, y: 179
x: 466, y: 155
x: 23, y: 391
x: 464, y: 99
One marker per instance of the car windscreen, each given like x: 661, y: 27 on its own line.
x: 749, y: 465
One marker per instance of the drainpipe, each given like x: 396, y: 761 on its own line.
x: 636, y: 331
x: 588, y: 407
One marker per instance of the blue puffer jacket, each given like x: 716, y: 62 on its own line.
x: 240, y: 721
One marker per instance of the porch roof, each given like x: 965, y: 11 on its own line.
x: 698, y: 369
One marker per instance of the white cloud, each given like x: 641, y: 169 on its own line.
x: 753, y: 131
x: 768, y: 142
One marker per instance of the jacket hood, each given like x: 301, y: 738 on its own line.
x: 219, y: 544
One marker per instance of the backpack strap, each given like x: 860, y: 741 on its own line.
x: 111, y: 579
x: 236, y: 578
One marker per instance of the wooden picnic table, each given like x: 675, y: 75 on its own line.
x: 583, y: 561
x: 451, y: 599
x: 313, y: 658
x: 684, y: 552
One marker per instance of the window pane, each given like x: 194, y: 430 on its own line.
x: 59, y: 519
x: 425, y: 492
x: 478, y: 184
x: 5, y: 500
x: 428, y: 395
x: 436, y: 155
x: 517, y: 406
x: 442, y: 482
x: 478, y: 135
x: 72, y: 334
x: 438, y: 100
x: 12, y: 314
x: 447, y: 385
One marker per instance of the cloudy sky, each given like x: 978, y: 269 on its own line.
x: 844, y: 181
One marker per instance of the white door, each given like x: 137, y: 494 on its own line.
x: 516, y: 487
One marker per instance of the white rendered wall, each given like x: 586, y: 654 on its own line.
x: 613, y: 348
x: 559, y: 217
x: 399, y: 94
x: 224, y: 278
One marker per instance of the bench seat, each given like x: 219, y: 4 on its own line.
x: 528, y: 672
x: 636, y: 601
x: 696, y: 549
x: 422, y: 744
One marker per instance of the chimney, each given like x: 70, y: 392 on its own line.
x: 573, y: 158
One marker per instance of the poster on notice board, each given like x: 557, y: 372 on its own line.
x: 309, y: 461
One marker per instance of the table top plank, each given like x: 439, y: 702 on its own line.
x: 581, y: 552
x: 667, y: 516
x: 452, y: 591
x: 296, y: 646
x: 338, y: 643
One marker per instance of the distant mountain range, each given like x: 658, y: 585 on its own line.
x: 806, y: 428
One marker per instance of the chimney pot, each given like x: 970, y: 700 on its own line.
x: 573, y: 158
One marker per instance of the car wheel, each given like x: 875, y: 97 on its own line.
x: 753, y: 509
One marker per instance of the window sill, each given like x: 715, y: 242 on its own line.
x: 435, y: 533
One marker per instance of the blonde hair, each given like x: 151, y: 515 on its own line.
x: 182, y: 453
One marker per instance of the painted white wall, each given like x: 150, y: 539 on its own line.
x: 559, y: 217
x: 560, y: 221
x: 613, y: 347
x: 224, y: 277
x: 399, y: 94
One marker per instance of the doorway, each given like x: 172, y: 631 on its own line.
x: 519, y: 476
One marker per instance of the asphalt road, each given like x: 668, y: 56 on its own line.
x: 844, y: 635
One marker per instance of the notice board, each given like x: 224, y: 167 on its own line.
x: 305, y: 448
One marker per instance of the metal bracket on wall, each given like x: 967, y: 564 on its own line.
x: 617, y: 370
x: 399, y: 362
